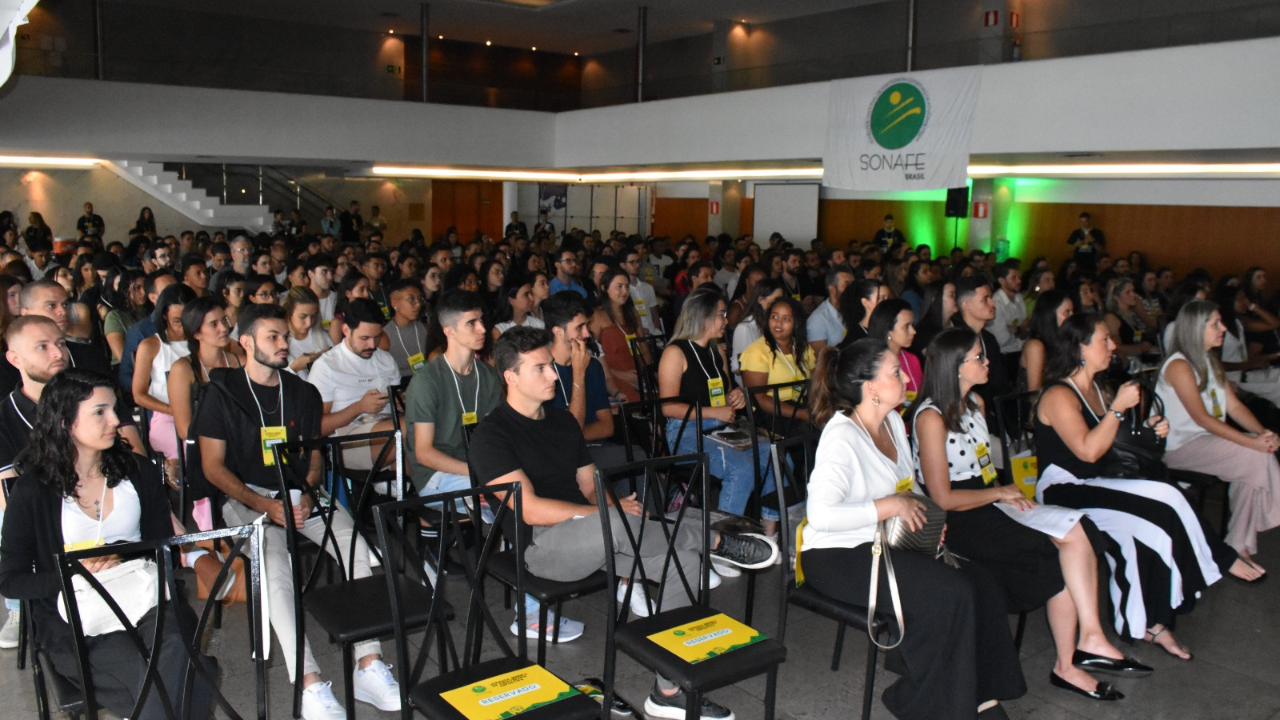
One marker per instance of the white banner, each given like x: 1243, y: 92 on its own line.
x: 909, y: 132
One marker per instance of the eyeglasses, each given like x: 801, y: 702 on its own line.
x: 979, y: 358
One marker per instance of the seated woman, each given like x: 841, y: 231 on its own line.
x: 1075, y: 426
x: 615, y: 323
x: 128, y: 305
x: 353, y: 285
x: 857, y: 302
x: 517, y: 309
x: 154, y: 358
x: 1052, y: 309
x: 762, y: 295
x: 1131, y: 334
x: 1249, y: 371
x: 306, y: 341
x: 261, y: 290
x: 773, y: 359
x: 204, y: 325
x: 740, y: 309
x: 957, y: 651
x: 82, y: 488
x: 693, y: 366
x: 939, y: 307
x: 228, y: 286
x: 1198, y: 401
x: 1044, y: 559
x: 893, y: 321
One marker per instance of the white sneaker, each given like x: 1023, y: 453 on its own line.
x: 725, y: 569
x: 9, y: 634
x: 640, y: 605
x: 713, y: 580
x: 318, y: 703
x: 377, y: 686
x: 570, y: 630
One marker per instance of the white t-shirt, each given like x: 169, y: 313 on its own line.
x: 529, y: 321
x: 327, y: 306
x: 316, y: 341
x: 343, y: 377
x: 646, y: 302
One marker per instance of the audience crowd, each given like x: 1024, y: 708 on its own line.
x: 200, y: 350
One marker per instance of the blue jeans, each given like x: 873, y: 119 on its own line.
x: 733, y: 467
x: 9, y: 604
x: 443, y: 482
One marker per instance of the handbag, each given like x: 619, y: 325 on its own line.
x: 894, y: 534
x: 1137, y: 452
x: 132, y: 585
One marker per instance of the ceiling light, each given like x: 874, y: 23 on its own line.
x: 562, y: 176
x: 391, y: 32
x: 1129, y: 169
x: 440, y: 37
x: 575, y: 54
x: 25, y: 161
x: 487, y: 43
x: 534, y: 48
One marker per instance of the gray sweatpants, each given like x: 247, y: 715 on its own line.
x: 574, y: 549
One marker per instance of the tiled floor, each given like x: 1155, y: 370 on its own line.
x: 1234, y: 633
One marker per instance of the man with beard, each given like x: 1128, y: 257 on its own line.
x: 243, y: 413
x: 353, y: 379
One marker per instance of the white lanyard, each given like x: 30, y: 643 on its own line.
x: 458, y: 387
x: 417, y: 342
x: 14, y: 403
x: 254, y: 395
x: 794, y: 368
x: 693, y: 347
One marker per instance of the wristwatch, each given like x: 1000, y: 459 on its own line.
x: 1119, y: 415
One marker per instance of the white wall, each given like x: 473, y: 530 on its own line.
x: 1225, y: 193
x: 152, y: 122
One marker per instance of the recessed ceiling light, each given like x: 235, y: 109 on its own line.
x: 575, y: 54
x: 534, y: 48
x: 487, y: 43
x: 440, y: 37
x: 391, y: 32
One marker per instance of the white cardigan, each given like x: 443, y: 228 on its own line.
x: 849, y: 475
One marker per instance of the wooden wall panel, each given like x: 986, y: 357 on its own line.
x: 676, y: 217
x: 747, y: 217
x: 467, y: 205
x: 841, y: 221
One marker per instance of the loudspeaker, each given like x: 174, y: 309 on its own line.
x: 958, y: 202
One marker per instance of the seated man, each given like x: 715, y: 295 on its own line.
x: 48, y: 298
x: 543, y: 448
x: 353, y: 379
x: 245, y: 411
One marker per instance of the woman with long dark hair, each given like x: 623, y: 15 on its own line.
x: 128, y: 301
x: 1249, y: 371
x: 352, y: 286
x: 146, y: 223
x: 1162, y: 556
x: 739, y: 309
x: 891, y: 322
x: 154, y: 358
x: 781, y: 355
x: 857, y: 302
x: 762, y: 295
x: 939, y: 307
x: 615, y: 323
x: 81, y: 488
x: 997, y: 527
x: 1052, y: 309
x: 204, y: 324
x: 957, y: 652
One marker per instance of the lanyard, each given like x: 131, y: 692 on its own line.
x: 261, y: 416
x: 458, y: 387
x: 1096, y: 389
x: 694, y: 347
x: 14, y: 403
x: 417, y: 342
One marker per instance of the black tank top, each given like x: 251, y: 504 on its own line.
x: 693, y: 383
x: 1051, y: 450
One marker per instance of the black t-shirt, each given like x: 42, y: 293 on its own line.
x: 228, y: 412
x: 549, y: 451
x: 90, y: 355
x: 91, y: 226
x: 10, y: 378
x: 18, y: 414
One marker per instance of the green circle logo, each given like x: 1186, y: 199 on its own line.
x: 898, y: 115
x: 679, y: 633
x: 478, y: 689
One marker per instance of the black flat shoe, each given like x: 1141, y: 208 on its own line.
x: 995, y: 712
x: 1127, y: 667
x: 1105, y: 691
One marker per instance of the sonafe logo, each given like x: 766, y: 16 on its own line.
x: 898, y: 115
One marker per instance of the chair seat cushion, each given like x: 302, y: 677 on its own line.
x: 712, y: 673
x: 426, y: 696
x: 67, y: 695
x: 810, y: 599
x: 360, y: 609
x: 503, y: 567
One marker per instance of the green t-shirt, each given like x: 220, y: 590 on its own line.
x: 432, y: 398
x: 119, y: 321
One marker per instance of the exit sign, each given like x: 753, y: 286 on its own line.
x: 394, y: 69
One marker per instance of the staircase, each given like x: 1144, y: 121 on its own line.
x: 196, y: 204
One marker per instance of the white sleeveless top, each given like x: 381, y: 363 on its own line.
x: 124, y: 524
x: 169, y: 353
x: 962, y: 448
x: 1181, y: 427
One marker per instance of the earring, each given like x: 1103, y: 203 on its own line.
x: 875, y: 400
x: 1081, y: 363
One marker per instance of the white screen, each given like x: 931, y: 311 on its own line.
x: 790, y: 209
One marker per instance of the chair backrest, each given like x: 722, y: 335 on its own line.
x: 644, y: 421
x: 793, y: 461
x: 651, y: 496
x: 777, y: 424
x: 359, y: 491
x: 1015, y: 427
x: 241, y: 542
x: 646, y: 351
x: 400, y: 542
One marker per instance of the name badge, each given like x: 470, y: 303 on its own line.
x: 984, y: 462
x: 83, y: 545
x: 911, y: 397
x: 416, y: 361
x: 271, y: 436
x: 1137, y: 336
x: 1217, y: 406
x: 904, y: 485
x: 715, y: 389
x: 470, y: 418
x: 325, y: 324
x: 386, y: 313
x: 640, y: 309
x: 795, y: 296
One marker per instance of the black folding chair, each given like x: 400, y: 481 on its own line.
x: 350, y: 610
x: 757, y: 655
x: 801, y: 450
x: 646, y: 352
x: 461, y: 674
x: 242, y: 542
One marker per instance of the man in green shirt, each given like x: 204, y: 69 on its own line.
x: 450, y: 393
